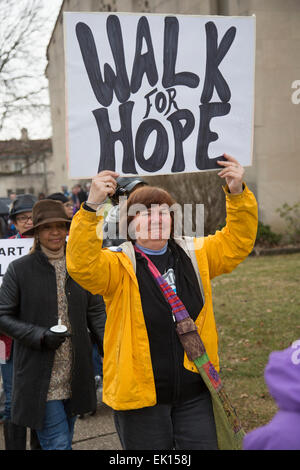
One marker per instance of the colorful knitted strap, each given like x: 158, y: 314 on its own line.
x: 229, y: 429
x: 178, y: 309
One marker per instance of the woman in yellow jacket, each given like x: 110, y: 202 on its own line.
x: 158, y: 397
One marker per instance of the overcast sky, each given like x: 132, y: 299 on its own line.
x: 37, y: 128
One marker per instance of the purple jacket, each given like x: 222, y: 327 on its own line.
x: 282, y: 375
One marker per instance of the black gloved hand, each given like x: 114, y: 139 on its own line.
x: 53, y: 340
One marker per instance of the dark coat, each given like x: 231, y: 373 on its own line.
x: 28, y: 307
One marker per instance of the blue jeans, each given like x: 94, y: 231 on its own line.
x: 97, y: 361
x: 188, y: 425
x: 58, y: 429
x: 7, y: 378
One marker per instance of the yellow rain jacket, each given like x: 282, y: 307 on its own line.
x: 127, y: 368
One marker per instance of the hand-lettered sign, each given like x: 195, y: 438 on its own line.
x: 11, y: 249
x: 157, y: 94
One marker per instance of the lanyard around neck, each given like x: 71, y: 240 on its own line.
x: 178, y: 309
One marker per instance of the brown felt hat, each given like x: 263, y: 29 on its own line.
x: 47, y: 211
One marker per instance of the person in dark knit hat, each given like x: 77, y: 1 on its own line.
x: 67, y: 202
x: 20, y: 213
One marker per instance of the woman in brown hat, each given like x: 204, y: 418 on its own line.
x: 53, y: 372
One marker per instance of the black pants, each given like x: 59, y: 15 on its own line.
x: 189, y: 425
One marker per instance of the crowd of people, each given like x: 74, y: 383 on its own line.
x: 71, y: 200
x: 143, y: 303
x: 57, y: 209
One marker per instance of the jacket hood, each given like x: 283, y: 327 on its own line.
x: 282, y: 375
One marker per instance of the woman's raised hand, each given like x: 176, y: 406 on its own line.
x: 103, y: 185
x: 233, y: 173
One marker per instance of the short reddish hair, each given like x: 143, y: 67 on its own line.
x: 148, y: 196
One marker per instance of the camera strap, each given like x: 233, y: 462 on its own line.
x: 185, y: 325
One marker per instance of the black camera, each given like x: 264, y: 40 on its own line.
x: 125, y: 185
x: 120, y: 191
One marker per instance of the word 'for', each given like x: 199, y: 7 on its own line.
x: 182, y: 120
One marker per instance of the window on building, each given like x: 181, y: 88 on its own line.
x: 18, y: 166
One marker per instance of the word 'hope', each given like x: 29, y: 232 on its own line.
x: 117, y: 83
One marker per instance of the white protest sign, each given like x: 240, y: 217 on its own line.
x: 157, y: 94
x: 11, y: 249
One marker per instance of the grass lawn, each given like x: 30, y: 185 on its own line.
x: 257, y: 310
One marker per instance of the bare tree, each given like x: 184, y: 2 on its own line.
x: 24, y: 34
x: 197, y: 188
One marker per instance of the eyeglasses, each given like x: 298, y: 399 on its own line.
x: 68, y: 204
x: 24, y: 218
